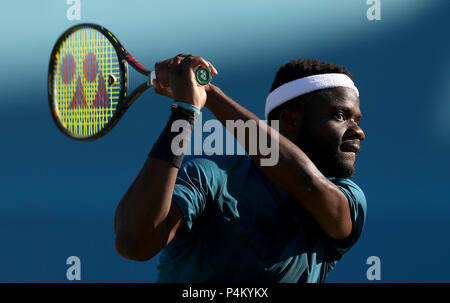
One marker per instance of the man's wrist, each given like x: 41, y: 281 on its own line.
x: 171, y: 145
x: 186, y: 107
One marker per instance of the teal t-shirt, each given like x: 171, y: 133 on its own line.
x: 241, y: 227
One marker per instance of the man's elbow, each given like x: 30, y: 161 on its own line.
x: 339, y: 217
x: 342, y: 225
x: 341, y: 231
x: 137, y: 250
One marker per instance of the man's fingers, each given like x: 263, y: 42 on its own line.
x: 179, y: 58
x: 162, y: 73
x: 163, y: 68
x: 209, y: 66
x: 213, y: 69
x: 175, y: 66
x: 165, y: 91
x: 193, y: 61
x: 156, y: 85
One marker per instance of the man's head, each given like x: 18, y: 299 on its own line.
x: 324, y: 123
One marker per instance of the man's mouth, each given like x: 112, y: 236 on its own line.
x: 350, y: 147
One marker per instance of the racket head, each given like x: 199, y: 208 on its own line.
x: 87, y: 81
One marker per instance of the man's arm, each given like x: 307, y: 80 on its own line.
x: 294, y: 172
x: 146, y: 220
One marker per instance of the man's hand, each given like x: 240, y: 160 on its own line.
x: 176, y: 79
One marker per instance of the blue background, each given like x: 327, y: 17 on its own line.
x: 58, y: 196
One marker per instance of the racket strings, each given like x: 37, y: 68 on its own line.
x: 84, y: 101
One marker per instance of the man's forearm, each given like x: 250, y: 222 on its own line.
x: 294, y: 172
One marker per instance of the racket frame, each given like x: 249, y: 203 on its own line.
x: 124, y: 100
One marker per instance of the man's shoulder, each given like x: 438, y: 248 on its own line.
x: 345, y: 182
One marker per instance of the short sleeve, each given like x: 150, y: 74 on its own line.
x: 358, y: 210
x: 196, y: 184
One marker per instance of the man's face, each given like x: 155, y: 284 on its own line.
x: 330, y: 134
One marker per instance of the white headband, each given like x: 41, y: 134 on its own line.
x: 306, y: 85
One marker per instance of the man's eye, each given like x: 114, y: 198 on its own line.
x: 339, y: 117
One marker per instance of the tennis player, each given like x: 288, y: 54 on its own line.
x: 231, y: 219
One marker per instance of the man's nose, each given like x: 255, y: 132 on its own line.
x: 357, y: 131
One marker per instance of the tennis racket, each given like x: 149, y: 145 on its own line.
x: 88, y: 81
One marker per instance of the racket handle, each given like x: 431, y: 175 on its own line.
x: 202, y: 75
x: 151, y: 78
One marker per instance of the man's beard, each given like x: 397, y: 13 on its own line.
x: 325, y: 157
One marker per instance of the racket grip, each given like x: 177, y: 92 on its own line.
x: 151, y: 78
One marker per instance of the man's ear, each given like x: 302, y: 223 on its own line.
x: 290, y: 123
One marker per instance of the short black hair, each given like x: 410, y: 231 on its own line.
x: 296, y: 69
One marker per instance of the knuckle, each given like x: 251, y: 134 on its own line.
x: 191, y: 57
x: 176, y: 71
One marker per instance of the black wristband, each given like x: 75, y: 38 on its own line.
x: 171, y: 145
